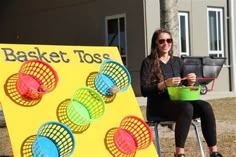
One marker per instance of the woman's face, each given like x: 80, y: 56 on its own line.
x: 164, y: 43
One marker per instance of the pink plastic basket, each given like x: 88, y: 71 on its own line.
x: 125, y: 142
x: 132, y: 135
x: 36, y: 78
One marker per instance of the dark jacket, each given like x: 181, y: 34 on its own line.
x: 149, y: 88
x: 155, y: 97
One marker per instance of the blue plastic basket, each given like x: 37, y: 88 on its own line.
x: 112, y: 74
x: 53, y: 139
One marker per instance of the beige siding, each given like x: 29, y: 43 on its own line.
x: 82, y: 22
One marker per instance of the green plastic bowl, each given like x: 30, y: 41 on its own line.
x: 186, y: 93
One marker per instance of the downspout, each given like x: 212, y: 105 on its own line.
x: 232, y: 45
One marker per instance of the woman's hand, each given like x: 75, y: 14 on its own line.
x: 191, y: 77
x: 174, y: 81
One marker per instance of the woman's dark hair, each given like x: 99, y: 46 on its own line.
x: 155, y: 55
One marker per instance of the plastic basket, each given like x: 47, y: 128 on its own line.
x: 133, y: 134
x: 86, y: 106
x: 36, y: 78
x: 53, y: 139
x: 125, y: 142
x: 184, y: 93
x: 112, y: 74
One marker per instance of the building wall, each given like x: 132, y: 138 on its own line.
x: 82, y: 22
x: 73, y: 22
x: 197, y: 10
x: 151, y: 23
x: 135, y: 24
x: 232, y: 28
x: 152, y: 20
x: 55, y: 22
x: 199, y: 35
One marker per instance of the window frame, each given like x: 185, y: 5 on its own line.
x: 187, y: 35
x: 118, y: 17
x: 219, y: 22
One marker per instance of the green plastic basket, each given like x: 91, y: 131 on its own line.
x: 184, y: 93
x: 86, y: 106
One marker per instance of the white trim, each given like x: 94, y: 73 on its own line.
x: 145, y: 27
x: 218, y: 52
x: 232, y: 43
x: 186, y: 17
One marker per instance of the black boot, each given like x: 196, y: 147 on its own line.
x: 215, y: 154
x: 179, y: 155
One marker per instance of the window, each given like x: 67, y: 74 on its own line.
x: 215, y: 32
x: 116, y: 34
x: 183, y: 33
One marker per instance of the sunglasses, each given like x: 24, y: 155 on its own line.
x: 162, y: 41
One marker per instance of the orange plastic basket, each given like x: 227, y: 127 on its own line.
x: 36, y: 78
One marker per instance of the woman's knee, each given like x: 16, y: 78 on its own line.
x: 187, y: 109
x: 205, y: 107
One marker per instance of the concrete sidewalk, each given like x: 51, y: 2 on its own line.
x: 208, y: 96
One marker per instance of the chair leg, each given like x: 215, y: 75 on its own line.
x: 198, y: 139
x: 158, y: 145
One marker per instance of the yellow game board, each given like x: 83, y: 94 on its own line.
x: 76, y: 67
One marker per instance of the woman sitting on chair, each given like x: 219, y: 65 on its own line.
x: 158, y: 71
